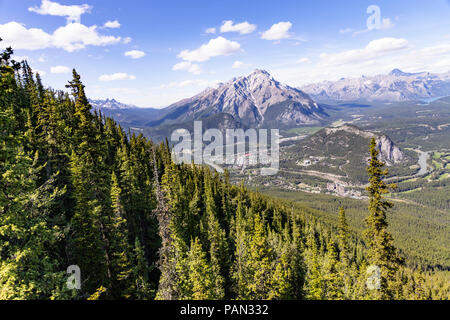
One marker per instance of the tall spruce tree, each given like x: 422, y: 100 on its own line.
x: 315, y: 281
x: 345, y: 267
x: 217, y: 241
x: 28, y: 267
x: 381, y: 251
x: 333, y: 284
x: 167, y: 263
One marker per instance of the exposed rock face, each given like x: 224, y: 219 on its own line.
x: 389, y: 152
x: 395, y: 86
x: 255, y: 100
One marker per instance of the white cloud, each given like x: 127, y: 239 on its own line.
x: 215, y: 47
x: 71, y: 37
x: 240, y: 64
x: 116, y: 76
x: 210, y: 30
x: 112, y: 24
x: 127, y: 40
x: 346, y: 30
x: 302, y: 60
x: 435, y: 58
x: 187, y: 66
x: 374, y: 49
x: 76, y: 36
x: 135, y: 54
x: 278, y: 31
x: 242, y: 28
x: 60, y: 69
x: 19, y: 37
x: 72, y: 13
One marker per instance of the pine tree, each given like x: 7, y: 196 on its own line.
x: 298, y: 261
x: 381, y: 251
x: 332, y: 279
x: 28, y: 269
x: 117, y: 235
x: 92, y: 220
x: 315, y: 282
x: 142, y: 288
x: 217, y: 241
x: 345, y: 267
x: 283, y: 277
x: 240, y: 235
x: 198, y: 279
x: 259, y: 263
x: 167, y: 262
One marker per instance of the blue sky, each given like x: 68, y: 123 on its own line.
x: 153, y: 53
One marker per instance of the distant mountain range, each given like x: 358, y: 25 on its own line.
x: 393, y: 87
x: 126, y: 114
x: 110, y: 104
x: 253, y: 100
x: 258, y: 100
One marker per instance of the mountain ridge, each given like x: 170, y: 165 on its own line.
x: 111, y: 104
x: 394, y: 86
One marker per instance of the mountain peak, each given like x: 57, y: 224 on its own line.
x: 261, y: 71
x: 259, y: 74
x: 398, y: 73
x: 252, y: 99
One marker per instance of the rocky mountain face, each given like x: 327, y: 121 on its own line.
x: 389, y: 152
x: 254, y: 100
x: 340, y: 155
x: 344, y: 148
x: 395, y: 86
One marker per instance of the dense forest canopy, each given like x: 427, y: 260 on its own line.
x: 77, y: 190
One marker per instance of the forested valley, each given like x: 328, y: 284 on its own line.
x: 76, y: 189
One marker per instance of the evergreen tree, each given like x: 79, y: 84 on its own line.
x: 315, y: 282
x: 198, y: 277
x: 345, y: 268
x: 217, y: 241
x: 167, y: 263
x: 28, y: 269
x: 142, y: 288
x: 381, y: 251
x: 332, y: 279
x: 259, y: 262
x: 93, y: 226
